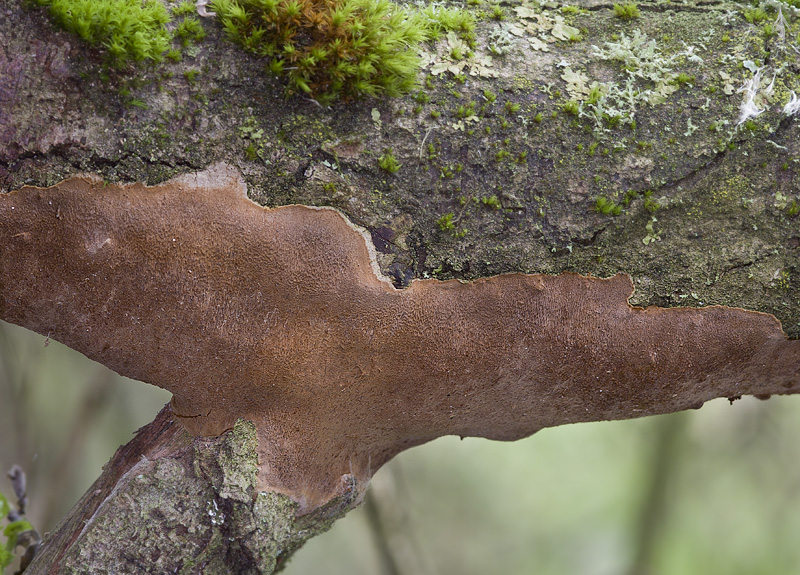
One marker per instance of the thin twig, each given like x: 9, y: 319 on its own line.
x: 666, y: 458
x: 387, y: 559
x: 94, y: 400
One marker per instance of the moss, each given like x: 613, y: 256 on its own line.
x: 191, y: 75
x: 626, y: 12
x: 128, y: 30
x: 681, y: 79
x: 755, y: 15
x: 571, y: 107
x: 497, y: 13
x: 606, y: 206
x: 388, y: 162
x: 190, y: 30
x: 445, y: 223
x: 442, y: 19
x: 174, y: 55
x: 492, y: 202
x: 465, y: 111
x: 332, y: 49
x: 184, y: 8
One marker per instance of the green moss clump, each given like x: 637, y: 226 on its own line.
x: 626, y: 12
x: 492, y: 202
x: 497, y: 13
x: 330, y: 49
x: 445, y: 223
x: 388, y: 162
x: 185, y: 8
x: 465, y: 111
x: 681, y: 79
x: 571, y: 107
x: 607, y: 207
x: 190, y: 30
x: 448, y: 19
x: 129, y: 30
x: 755, y: 15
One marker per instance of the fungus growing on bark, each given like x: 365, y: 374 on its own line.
x: 281, y: 316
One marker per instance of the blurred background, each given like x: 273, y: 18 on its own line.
x: 710, y: 491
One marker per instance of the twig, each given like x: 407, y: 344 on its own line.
x: 387, y: 559
x: 654, y: 508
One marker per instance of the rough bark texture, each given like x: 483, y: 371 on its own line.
x: 518, y: 172
x: 168, y: 503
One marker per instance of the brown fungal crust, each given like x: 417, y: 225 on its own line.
x: 278, y: 316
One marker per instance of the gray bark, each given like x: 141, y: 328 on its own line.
x: 720, y: 226
x: 168, y: 503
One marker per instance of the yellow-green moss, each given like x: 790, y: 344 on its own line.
x: 128, y: 30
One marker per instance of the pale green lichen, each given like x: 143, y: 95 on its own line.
x: 649, y: 80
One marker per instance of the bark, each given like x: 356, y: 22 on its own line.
x: 520, y: 175
x: 169, y: 503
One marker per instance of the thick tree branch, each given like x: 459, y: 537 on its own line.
x: 628, y: 149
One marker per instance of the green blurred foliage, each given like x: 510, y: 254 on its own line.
x: 61, y: 418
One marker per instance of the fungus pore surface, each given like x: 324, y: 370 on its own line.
x: 281, y: 316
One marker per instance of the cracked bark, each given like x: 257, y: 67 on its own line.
x: 723, y: 233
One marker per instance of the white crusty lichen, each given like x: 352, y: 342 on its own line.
x: 757, y: 96
x: 202, y: 9
x: 758, y: 93
x: 749, y: 109
x: 792, y: 107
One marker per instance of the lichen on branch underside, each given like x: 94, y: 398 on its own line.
x: 281, y: 316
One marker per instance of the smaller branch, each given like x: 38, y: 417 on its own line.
x: 378, y: 529
x: 95, y: 398
x: 29, y: 539
x: 666, y: 457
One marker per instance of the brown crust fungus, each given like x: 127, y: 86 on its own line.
x: 281, y: 316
